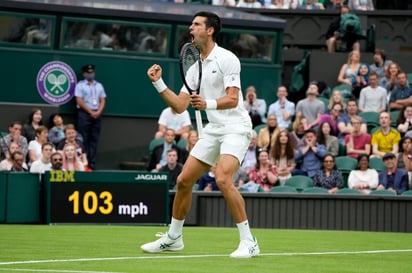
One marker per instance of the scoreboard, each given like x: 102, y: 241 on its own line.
x: 107, y: 197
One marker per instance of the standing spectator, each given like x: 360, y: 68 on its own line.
x: 311, y: 108
x: 263, y: 173
x: 15, y: 136
x: 70, y: 138
x: 380, y: 63
x: 402, y: 94
x: 344, y: 120
x: 282, y: 155
x: 363, y: 178
x: 7, y: 163
x: 35, y: 120
x: 256, y: 107
x: 357, y: 142
x: 373, y: 97
x: 35, y: 146
x: 91, y: 100
x: 393, y: 178
x: 172, y: 167
x: 207, y: 181
x: 404, y: 120
x: 71, y: 162
x: 385, y: 139
x: 328, y: 176
x: 327, y: 139
x: 282, y: 108
x: 310, y: 155
x: 180, y: 123
x: 56, y: 160
x: 43, y: 163
x: 18, y: 162
x: 158, y: 157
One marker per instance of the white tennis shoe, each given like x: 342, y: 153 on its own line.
x: 246, y: 249
x: 165, y: 243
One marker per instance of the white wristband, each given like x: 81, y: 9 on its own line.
x: 160, y: 85
x: 211, y: 104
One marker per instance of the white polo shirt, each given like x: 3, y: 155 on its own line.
x: 173, y: 120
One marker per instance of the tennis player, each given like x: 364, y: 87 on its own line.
x: 225, y: 138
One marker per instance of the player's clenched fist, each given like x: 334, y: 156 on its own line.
x: 154, y: 72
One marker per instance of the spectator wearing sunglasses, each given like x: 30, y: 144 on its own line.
x: 56, y: 161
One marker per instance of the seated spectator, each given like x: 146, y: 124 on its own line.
x: 249, y: 4
x: 335, y: 98
x: 70, y: 138
x: 390, y: 81
x: 349, y: 71
x: 18, y: 162
x: 278, y: 4
x: 344, y: 120
x: 334, y: 5
x: 267, y: 135
x: 15, y: 136
x: 250, y: 157
x: 328, y: 176
x: 310, y: 155
x: 361, y: 5
x: 56, y: 160
x: 35, y: 120
x: 363, y: 178
x: 310, y: 5
x: 7, y: 163
x: 325, y: 138
x: 263, y: 173
x: 404, y: 120
x: 361, y: 80
x: 298, y: 131
x: 335, y: 35
x: 256, y: 107
x: 35, y: 146
x: 393, y: 179
x: 71, y: 161
x: 191, y: 141
x: 402, y: 94
x: 240, y: 178
x: 172, y: 167
x: 283, y: 109
x: 332, y: 118
x: 380, y: 63
x: 56, y: 130
x: 373, y: 97
x: 43, y: 163
x: 158, y: 157
x: 282, y: 155
x: 385, y: 139
x: 229, y: 3
x: 180, y: 123
x: 207, y: 182
x: 357, y: 142
x: 311, y: 108
x: 405, y: 156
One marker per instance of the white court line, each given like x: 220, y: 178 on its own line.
x: 53, y: 271
x: 165, y: 256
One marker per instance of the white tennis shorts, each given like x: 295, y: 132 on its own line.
x: 220, y: 139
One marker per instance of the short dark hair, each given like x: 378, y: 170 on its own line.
x: 212, y: 20
x: 381, y: 52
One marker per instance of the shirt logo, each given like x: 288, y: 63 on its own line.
x: 56, y: 82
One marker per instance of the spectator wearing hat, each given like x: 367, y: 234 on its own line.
x: 310, y: 155
x: 392, y: 178
x: 91, y: 100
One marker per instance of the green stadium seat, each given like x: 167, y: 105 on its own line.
x: 315, y: 190
x: 382, y: 192
x: 182, y: 144
x: 347, y: 191
x: 155, y: 142
x: 345, y: 163
x: 394, y: 116
x: 257, y: 128
x: 299, y: 182
x: 284, y: 189
x: 377, y: 164
x: 371, y: 118
x: 407, y: 193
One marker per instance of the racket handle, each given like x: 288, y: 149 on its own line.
x: 199, y: 123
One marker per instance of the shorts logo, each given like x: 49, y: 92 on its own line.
x: 56, y: 82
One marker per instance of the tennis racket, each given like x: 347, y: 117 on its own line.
x: 191, y: 72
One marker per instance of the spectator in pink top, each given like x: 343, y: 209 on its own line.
x: 332, y: 118
x: 357, y: 142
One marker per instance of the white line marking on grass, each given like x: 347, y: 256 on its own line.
x: 165, y: 256
x: 54, y: 271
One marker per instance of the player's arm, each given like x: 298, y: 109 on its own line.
x: 230, y: 100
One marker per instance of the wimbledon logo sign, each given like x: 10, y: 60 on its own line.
x: 56, y: 82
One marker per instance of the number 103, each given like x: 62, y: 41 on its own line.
x: 91, y: 202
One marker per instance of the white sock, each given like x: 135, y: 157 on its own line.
x: 244, y: 230
x: 175, y: 229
